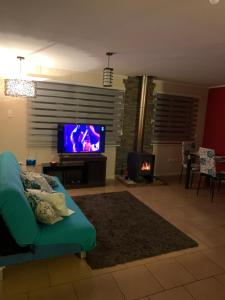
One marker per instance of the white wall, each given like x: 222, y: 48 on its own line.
x: 168, y: 156
x: 13, y: 121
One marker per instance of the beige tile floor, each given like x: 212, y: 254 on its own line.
x: 197, y: 273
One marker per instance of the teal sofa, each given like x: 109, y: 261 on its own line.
x: 74, y: 234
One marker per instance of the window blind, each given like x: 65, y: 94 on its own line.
x: 175, y: 118
x: 65, y: 103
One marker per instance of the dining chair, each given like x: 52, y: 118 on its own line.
x: 208, y: 169
x: 188, y: 147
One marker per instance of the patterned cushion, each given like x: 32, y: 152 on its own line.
x: 43, y: 211
x: 29, y: 183
x: 51, y: 181
x: 207, y: 161
x: 56, y: 200
x: 32, y: 180
x: 46, y: 214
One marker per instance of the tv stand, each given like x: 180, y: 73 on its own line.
x: 82, y: 170
x: 70, y: 158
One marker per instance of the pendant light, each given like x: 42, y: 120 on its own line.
x: 108, y: 72
x: 214, y: 1
x: 20, y: 87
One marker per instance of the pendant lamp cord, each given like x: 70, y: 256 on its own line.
x: 20, y: 58
x: 108, y: 60
x: 109, y: 54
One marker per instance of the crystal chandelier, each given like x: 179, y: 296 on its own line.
x: 108, y: 72
x: 20, y: 87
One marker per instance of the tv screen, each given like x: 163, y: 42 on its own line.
x: 81, y: 138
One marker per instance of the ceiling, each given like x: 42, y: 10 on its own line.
x: 181, y: 40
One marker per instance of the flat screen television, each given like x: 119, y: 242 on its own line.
x: 81, y: 138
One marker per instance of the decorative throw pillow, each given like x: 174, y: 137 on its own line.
x: 56, y: 200
x: 43, y: 183
x: 32, y: 180
x: 51, y: 180
x: 32, y: 199
x: 46, y: 214
x: 29, y: 183
x: 43, y: 211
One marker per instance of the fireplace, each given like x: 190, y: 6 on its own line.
x: 140, y: 166
x: 145, y: 166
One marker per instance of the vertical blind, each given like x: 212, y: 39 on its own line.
x: 175, y: 118
x: 65, y: 103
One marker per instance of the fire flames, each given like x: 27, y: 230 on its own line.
x: 146, y: 166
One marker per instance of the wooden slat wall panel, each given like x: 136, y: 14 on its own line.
x: 45, y: 101
x: 77, y: 88
x: 56, y: 120
x: 175, y: 118
x: 60, y: 113
x: 70, y: 95
x: 64, y: 103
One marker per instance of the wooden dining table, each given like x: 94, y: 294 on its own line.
x: 220, y: 159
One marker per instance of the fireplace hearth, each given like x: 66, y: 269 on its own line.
x: 140, y: 166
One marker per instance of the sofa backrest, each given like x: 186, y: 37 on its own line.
x: 14, y: 207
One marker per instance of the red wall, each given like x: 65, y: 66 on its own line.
x: 214, y: 135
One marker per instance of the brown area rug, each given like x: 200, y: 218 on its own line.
x: 128, y: 230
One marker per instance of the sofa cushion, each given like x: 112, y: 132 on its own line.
x: 32, y: 180
x: 51, y: 180
x: 28, y: 183
x: 75, y: 229
x: 46, y: 214
x: 14, y: 208
x: 43, y: 210
x: 56, y: 200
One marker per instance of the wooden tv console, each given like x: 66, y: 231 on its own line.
x: 79, y: 171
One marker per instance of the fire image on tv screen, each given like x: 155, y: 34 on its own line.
x: 81, y: 138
